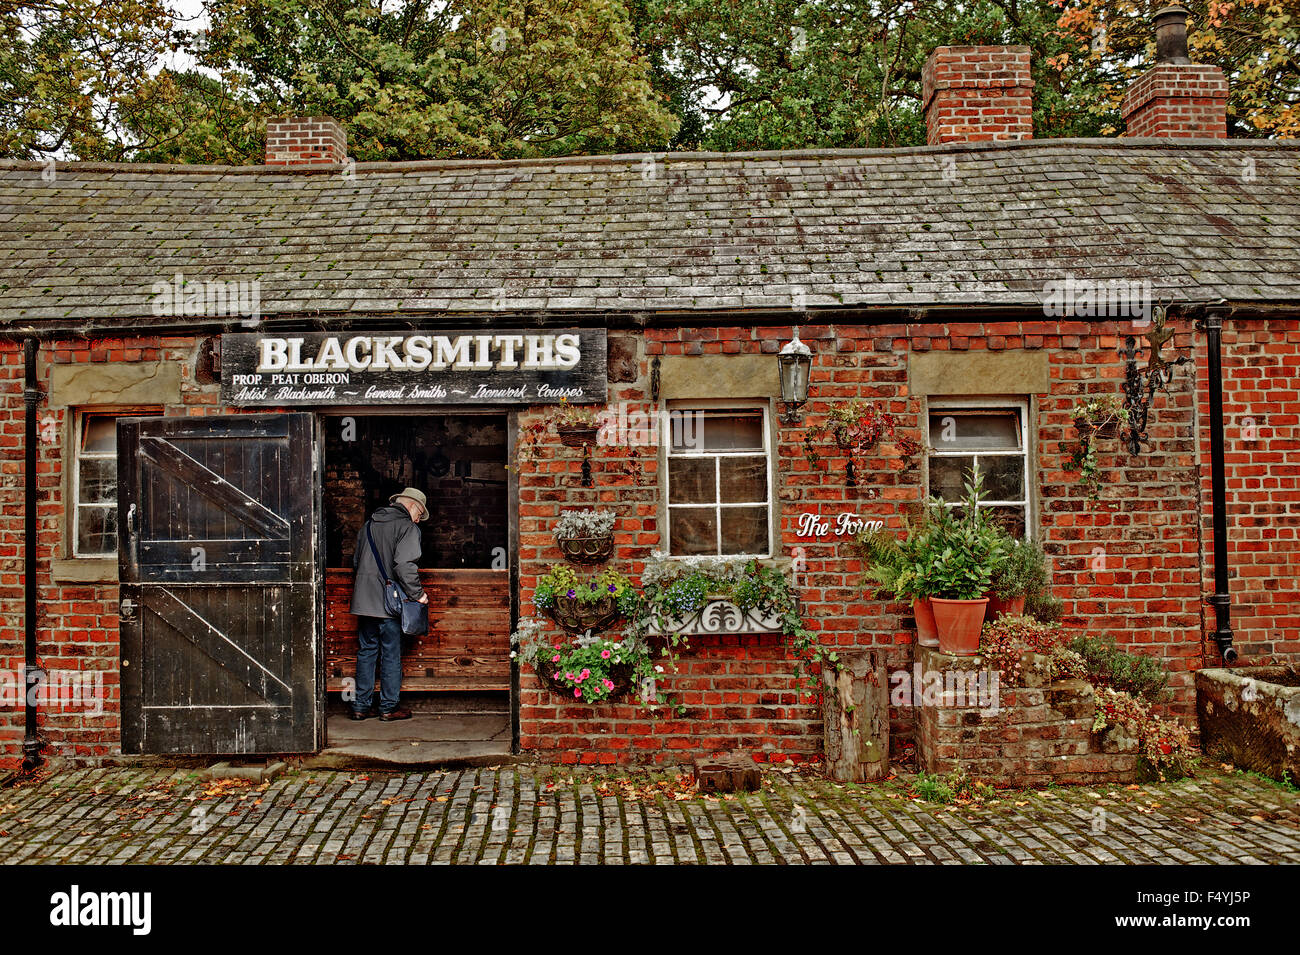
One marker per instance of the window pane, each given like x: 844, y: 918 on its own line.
x: 97, y: 482
x: 743, y: 480
x: 953, y: 430
x: 1012, y: 519
x: 98, y: 434
x: 948, y: 476
x: 692, y: 481
x: 738, y: 431
x: 1004, y: 477
x: 744, y: 530
x: 96, y: 530
x: 693, y: 530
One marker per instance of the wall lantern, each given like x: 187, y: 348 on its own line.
x: 795, y: 364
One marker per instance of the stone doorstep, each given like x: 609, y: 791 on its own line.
x: 256, y: 772
x: 729, y: 773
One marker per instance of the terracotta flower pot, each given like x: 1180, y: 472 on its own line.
x: 998, y: 606
x: 926, y: 634
x: 959, y: 623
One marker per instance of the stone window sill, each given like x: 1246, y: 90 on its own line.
x: 84, y: 570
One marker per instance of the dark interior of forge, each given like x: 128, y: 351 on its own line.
x: 458, y: 461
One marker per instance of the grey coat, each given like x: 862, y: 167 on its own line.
x: 397, y: 538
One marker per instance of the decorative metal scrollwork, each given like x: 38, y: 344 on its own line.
x: 1141, y: 384
x: 720, y: 616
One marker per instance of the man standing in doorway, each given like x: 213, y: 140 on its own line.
x: 397, y: 539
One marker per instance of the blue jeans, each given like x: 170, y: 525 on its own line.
x: 380, y: 638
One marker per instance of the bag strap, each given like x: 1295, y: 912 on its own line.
x: 379, y: 564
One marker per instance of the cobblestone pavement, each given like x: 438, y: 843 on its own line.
x: 539, y: 814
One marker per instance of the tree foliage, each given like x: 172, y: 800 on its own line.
x: 124, y: 79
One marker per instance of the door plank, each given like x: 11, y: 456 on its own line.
x: 233, y: 658
x: 213, y: 486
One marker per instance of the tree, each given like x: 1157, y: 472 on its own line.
x: 74, y: 72
x: 1255, y: 42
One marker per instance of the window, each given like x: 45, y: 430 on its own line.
x: 94, y: 484
x: 719, y: 482
x: 990, y: 437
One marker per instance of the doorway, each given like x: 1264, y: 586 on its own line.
x: 457, y: 678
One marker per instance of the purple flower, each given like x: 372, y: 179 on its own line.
x: 613, y: 589
x: 571, y: 594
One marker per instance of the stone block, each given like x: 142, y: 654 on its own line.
x: 729, y: 773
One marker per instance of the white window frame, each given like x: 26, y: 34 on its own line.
x: 983, y: 403
x: 722, y: 405
x: 74, y: 530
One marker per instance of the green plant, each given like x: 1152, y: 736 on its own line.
x: 1023, y: 572
x: 957, y: 786
x: 673, y: 590
x: 1091, y: 415
x: 1044, y: 606
x: 1005, y: 641
x: 562, y: 581
x: 1136, y: 674
x: 1164, y: 747
x: 588, y: 666
x: 959, y: 550
x: 854, y: 427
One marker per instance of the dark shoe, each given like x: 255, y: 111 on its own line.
x: 397, y: 714
x: 359, y: 714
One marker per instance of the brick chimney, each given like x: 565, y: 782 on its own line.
x: 1176, y: 98
x: 977, y: 93
x: 305, y: 141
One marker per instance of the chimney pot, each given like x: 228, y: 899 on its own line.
x: 1171, y: 34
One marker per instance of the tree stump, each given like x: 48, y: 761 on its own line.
x: 855, y: 709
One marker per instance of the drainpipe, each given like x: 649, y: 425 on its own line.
x: 1220, y: 600
x: 31, y: 396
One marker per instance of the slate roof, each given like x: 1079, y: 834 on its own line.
x: 985, y: 224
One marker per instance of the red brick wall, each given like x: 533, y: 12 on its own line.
x: 1127, y: 565
x: 77, y: 622
x: 977, y: 93
x: 1261, y: 409
x: 1178, y: 101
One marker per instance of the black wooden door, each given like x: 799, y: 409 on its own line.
x: 220, y: 570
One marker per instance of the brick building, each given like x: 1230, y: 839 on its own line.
x: 987, y: 274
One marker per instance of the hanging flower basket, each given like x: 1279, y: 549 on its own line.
x: 578, y: 617
x: 1106, y: 429
x: 623, y: 676
x: 586, y: 550
x: 576, y: 435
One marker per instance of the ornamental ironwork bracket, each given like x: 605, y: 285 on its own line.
x: 719, y: 616
x: 1142, y: 384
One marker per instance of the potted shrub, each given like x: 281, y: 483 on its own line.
x: 585, y: 536
x: 896, y: 570
x: 1023, y: 572
x: 578, y: 605
x: 964, y: 549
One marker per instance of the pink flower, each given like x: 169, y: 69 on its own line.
x: 568, y: 676
x: 555, y: 659
x: 609, y: 684
x: 605, y: 654
x: 577, y: 693
x: 585, y: 674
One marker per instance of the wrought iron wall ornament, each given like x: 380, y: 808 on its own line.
x: 654, y: 380
x: 1141, y: 384
x: 720, y: 616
